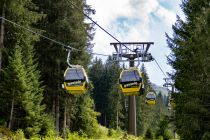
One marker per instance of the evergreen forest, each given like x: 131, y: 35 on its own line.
x: 34, y: 35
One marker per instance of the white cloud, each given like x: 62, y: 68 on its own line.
x: 153, y: 21
x: 169, y: 17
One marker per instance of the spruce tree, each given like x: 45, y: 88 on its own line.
x: 12, y: 85
x: 189, y: 57
x: 17, y: 82
x: 97, y: 73
x: 148, y: 116
x: 30, y: 115
x: 116, y: 117
x: 64, y: 23
x: 106, y: 93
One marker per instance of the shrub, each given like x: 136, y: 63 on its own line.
x: 5, y: 133
x: 206, y: 136
x: 167, y: 135
x: 115, y: 133
x: 19, y: 135
x: 75, y: 136
x: 149, y: 134
x: 160, y: 138
x: 51, y: 135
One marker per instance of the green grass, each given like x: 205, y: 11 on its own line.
x: 104, y: 134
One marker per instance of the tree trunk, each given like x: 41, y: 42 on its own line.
x: 57, y: 109
x: 53, y: 104
x: 64, y: 118
x: 68, y: 113
x: 105, y: 119
x: 57, y: 115
x: 2, y: 35
x: 117, y: 116
x: 11, y: 111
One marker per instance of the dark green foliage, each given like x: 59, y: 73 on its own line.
x: 190, y: 58
x: 149, y: 134
x: 100, y: 93
x: 86, y: 118
x: 148, y: 116
x: 28, y: 112
x: 5, y: 132
x: 22, y: 12
x: 108, y: 98
x: 141, y: 108
x: 163, y: 129
x: 12, y: 85
x: 21, y: 89
x: 206, y: 136
x: 65, y: 23
x: 115, y: 97
x: 117, y: 115
x: 145, y: 77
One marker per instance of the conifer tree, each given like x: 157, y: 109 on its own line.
x: 148, y: 116
x: 189, y: 57
x: 116, y: 117
x: 17, y: 83
x: 96, y: 73
x: 30, y: 115
x: 64, y: 23
x: 86, y: 117
x: 11, y: 88
x: 106, y: 93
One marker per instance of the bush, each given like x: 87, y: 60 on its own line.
x: 5, y: 133
x: 167, y: 135
x: 206, y: 136
x: 101, y: 132
x: 51, y: 135
x: 76, y: 136
x: 115, y: 133
x: 149, y: 134
x: 19, y: 135
x: 36, y: 137
x: 160, y: 138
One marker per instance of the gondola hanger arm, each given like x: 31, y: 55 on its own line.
x: 69, y: 59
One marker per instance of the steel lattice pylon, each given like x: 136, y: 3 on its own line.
x: 132, y: 51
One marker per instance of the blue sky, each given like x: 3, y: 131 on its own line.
x: 137, y: 20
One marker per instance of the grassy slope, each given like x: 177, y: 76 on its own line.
x: 105, y: 134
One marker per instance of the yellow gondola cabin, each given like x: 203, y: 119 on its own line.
x: 75, y: 80
x: 131, y: 82
x: 150, y: 98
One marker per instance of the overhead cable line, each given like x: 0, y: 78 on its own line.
x: 107, y: 31
x: 100, y: 54
x: 60, y: 43
x: 47, y: 38
x: 160, y: 68
x: 30, y: 30
x: 97, y: 24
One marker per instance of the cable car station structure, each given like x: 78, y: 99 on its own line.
x: 133, y: 52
